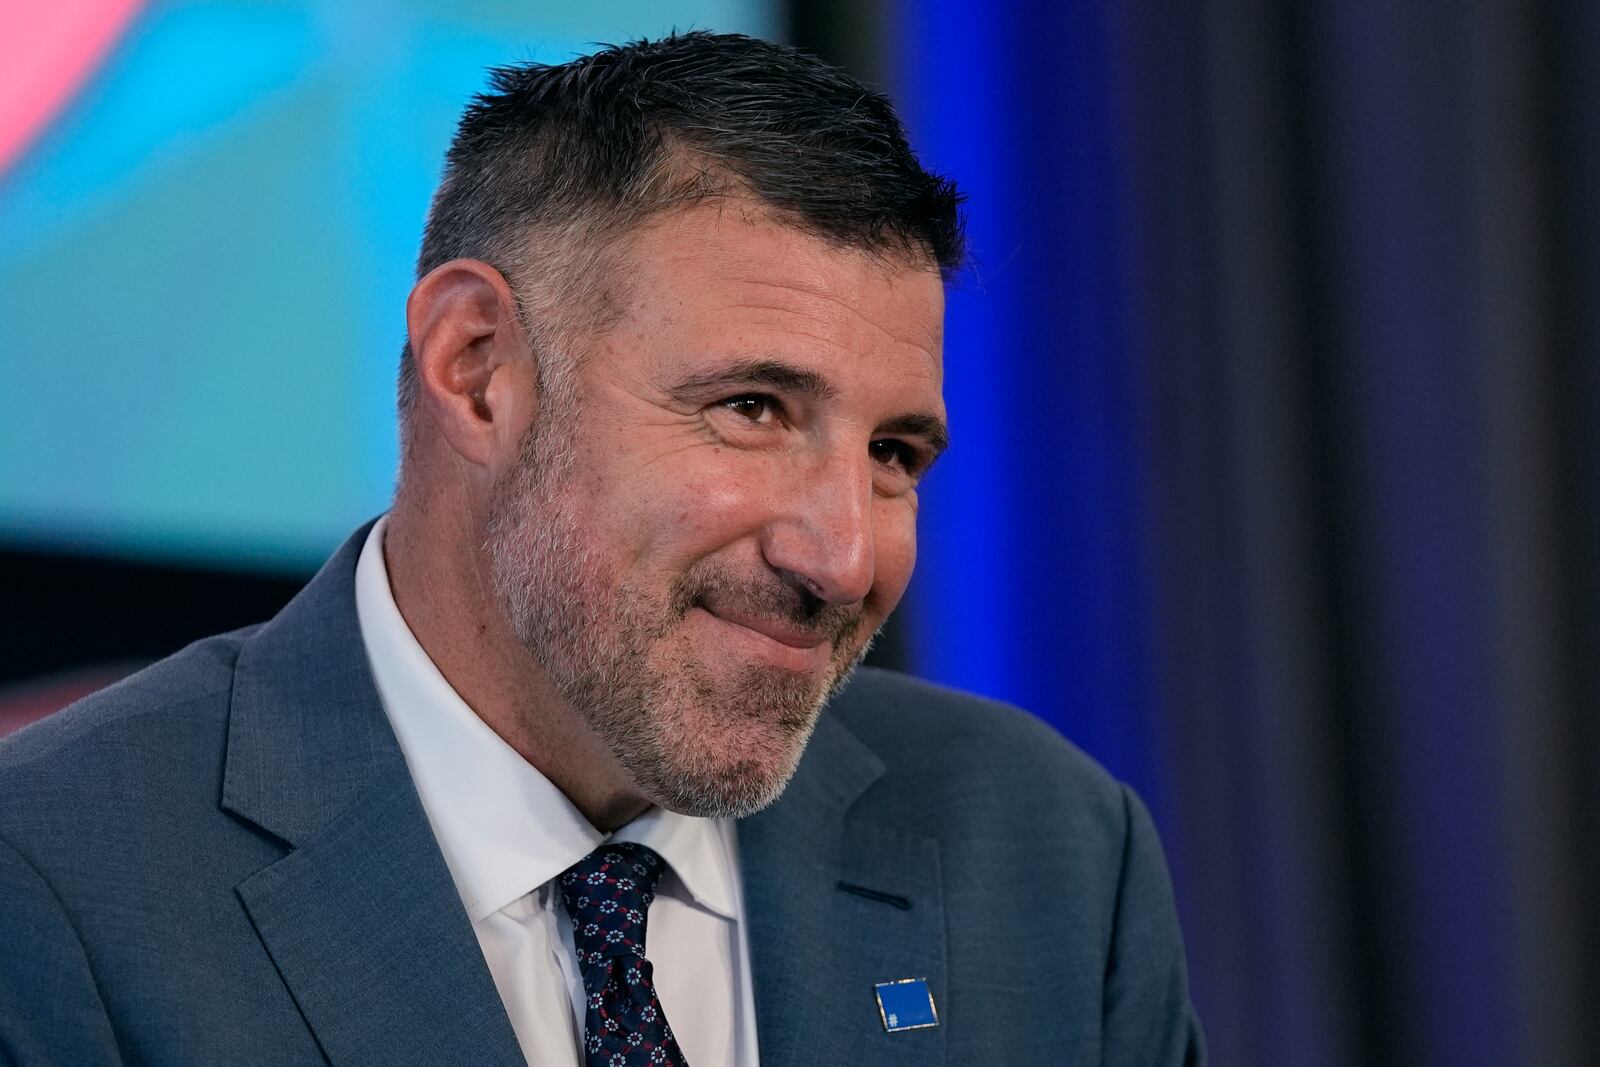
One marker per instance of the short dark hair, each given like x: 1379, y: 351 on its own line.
x: 578, y: 152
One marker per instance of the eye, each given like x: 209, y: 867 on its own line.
x: 756, y: 407
x: 890, y: 452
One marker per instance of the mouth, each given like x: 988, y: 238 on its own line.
x: 770, y: 639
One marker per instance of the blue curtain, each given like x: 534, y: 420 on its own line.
x: 1031, y: 574
x: 1277, y: 483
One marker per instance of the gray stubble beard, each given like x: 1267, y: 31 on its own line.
x: 595, y: 638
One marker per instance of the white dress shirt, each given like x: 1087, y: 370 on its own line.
x: 506, y: 833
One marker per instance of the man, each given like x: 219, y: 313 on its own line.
x: 557, y: 762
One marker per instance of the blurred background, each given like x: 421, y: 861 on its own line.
x: 1274, y: 384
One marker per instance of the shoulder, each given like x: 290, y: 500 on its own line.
x: 911, y: 721
x: 131, y: 740
x: 202, y: 671
x: 966, y: 759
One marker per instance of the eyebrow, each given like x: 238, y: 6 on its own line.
x: 776, y: 374
x: 918, y: 424
x: 772, y: 373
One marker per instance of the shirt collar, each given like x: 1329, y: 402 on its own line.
x: 504, y: 828
x: 699, y: 851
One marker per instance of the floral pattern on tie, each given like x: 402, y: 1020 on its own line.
x: 608, y: 895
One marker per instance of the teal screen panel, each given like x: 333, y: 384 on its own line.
x: 205, y: 248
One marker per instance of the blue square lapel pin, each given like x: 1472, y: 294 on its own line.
x: 906, y: 1004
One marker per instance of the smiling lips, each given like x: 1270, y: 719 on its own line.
x: 781, y: 632
x: 792, y: 646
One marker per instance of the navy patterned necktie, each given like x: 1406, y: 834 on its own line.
x: 608, y: 895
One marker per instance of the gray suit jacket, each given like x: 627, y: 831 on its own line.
x: 223, y: 860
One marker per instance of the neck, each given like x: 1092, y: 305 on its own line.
x: 439, y: 580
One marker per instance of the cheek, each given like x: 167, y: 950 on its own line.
x: 685, y: 510
x: 894, y: 534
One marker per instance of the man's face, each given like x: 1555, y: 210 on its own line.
x: 717, y: 510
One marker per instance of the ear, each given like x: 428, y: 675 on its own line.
x: 477, y: 382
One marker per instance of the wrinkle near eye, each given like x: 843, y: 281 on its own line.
x: 685, y: 438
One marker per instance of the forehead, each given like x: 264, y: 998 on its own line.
x: 724, y: 275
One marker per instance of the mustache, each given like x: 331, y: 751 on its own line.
x: 767, y: 596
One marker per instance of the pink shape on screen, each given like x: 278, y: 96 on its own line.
x: 48, y: 50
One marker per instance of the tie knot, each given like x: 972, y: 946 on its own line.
x: 608, y: 895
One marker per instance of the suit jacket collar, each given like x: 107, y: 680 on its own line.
x: 307, y: 736
x: 365, y: 925
x: 838, y: 901
x: 361, y: 918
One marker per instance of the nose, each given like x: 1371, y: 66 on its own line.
x: 822, y: 532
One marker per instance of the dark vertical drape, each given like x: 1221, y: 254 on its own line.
x: 1277, y: 483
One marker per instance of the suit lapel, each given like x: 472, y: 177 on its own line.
x: 364, y: 925
x: 361, y: 917
x: 816, y: 948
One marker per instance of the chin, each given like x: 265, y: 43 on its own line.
x: 732, y: 791
x: 724, y: 750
